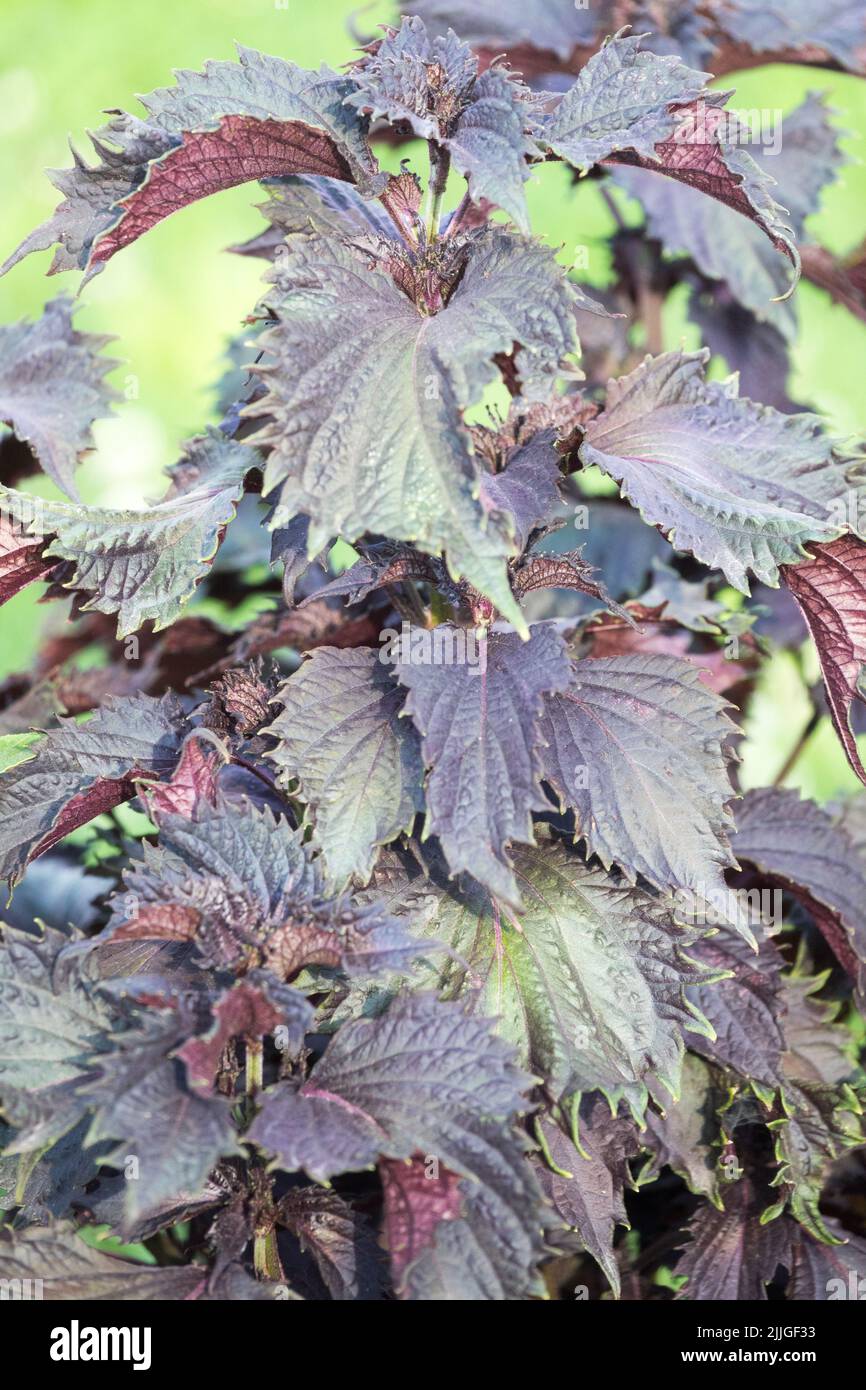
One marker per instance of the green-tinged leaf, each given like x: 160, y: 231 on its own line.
x: 433, y: 86
x: 388, y: 452
x: 144, y: 565
x: 739, y: 485
x: 587, y: 981
x: 746, y: 1009
x: 624, y: 99
x: 817, y: 1124
x: 634, y: 747
x: 358, y: 765
x: 631, y: 106
x: 686, y: 1136
x: 52, y: 1025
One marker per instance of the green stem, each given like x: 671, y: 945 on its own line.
x: 254, y: 1066
x: 266, y: 1260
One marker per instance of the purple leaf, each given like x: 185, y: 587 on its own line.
x: 252, y: 1008
x: 634, y: 107
x: 389, y: 454
x: 737, y: 484
x: 586, y: 1186
x: 588, y: 980
x: 433, y: 86
x: 423, y: 1078
x: 481, y: 741
x: 731, y: 1255
x: 746, y: 1009
x: 70, y: 1270
x: 340, y: 1239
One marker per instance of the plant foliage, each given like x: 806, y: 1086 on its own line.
x: 446, y: 941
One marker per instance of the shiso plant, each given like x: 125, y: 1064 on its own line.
x: 423, y: 937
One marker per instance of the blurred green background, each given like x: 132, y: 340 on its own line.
x: 174, y: 299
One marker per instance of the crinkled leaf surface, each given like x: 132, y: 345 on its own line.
x: 330, y: 205
x: 52, y: 1022
x: 480, y: 739
x: 625, y: 98
x: 340, y: 1239
x: 358, y: 764
x: 635, y: 107
x: 817, y: 1046
x: 52, y: 388
x: 425, y: 1078
x: 527, y: 489
x: 258, y: 118
x: 174, y: 1134
x: 388, y: 452
x: 242, y: 886
x: 746, y: 1009
x: 82, y: 769
x: 144, y: 565
x: 446, y: 1237
x: 820, y: 1271
x: 830, y: 588
x: 737, y: 484
x: 21, y: 556
x: 634, y: 746
x: 433, y: 86
x: 685, y: 1136
x: 818, y: 1124
x: 253, y: 1007
x: 587, y: 981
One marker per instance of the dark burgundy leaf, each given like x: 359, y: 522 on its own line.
x: 830, y: 588
x: 80, y: 770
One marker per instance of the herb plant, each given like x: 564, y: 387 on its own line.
x: 444, y: 941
